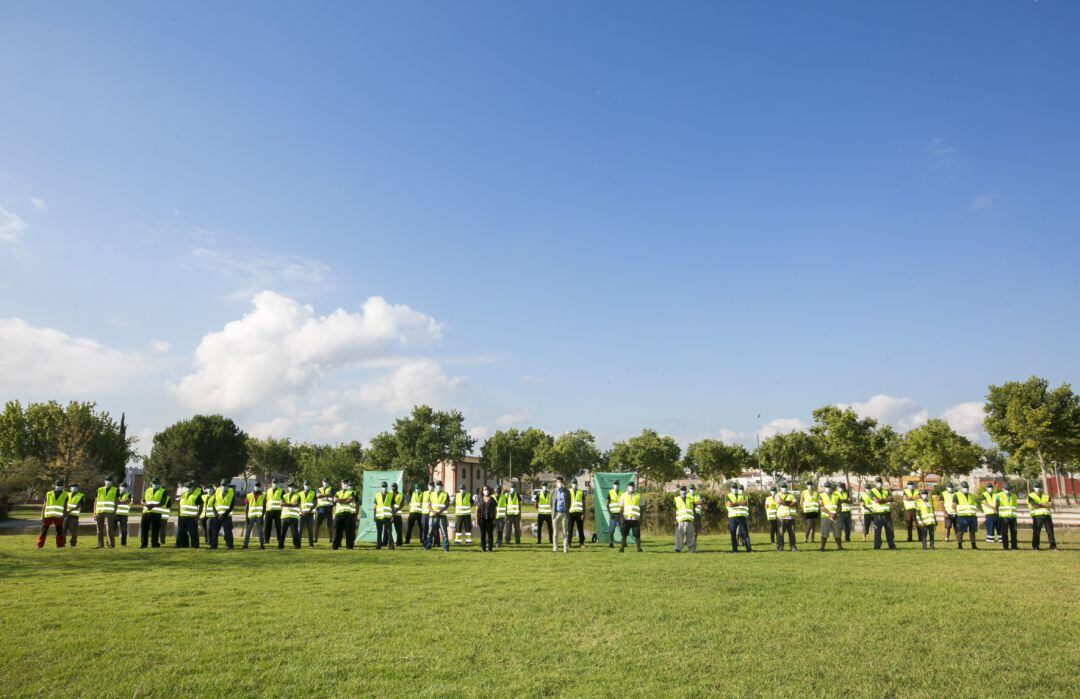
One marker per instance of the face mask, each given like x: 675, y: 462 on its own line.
x: 74, y: 489
x: 58, y: 488
x: 307, y: 487
x: 383, y: 489
x: 513, y: 489
x: 438, y: 489
x: 964, y: 488
x: 925, y: 497
x: 184, y: 490
x: 828, y: 490
x: 1036, y: 488
x: 544, y: 489
x: 784, y: 491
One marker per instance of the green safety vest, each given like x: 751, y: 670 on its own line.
x: 925, y: 511
x: 152, y: 498
x: 513, y: 504
x: 463, y: 505
x: 948, y: 502
x: 810, y: 502
x: 189, y: 504
x: 438, y: 503
x: 697, y: 500
x: 223, y: 500
x: 273, y: 499
x: 398, y: 499
x: 830, y: 502
x: 383, y: 506
x: 105, y: 502
x: 543, y: 504
x: 325, y: 496
x: 684, y: 509
x: 910, y: 497
x: 163, y: 508
x: 416, y: 503
x: 965, y: 505
x: 1006, y: 505
x: 737, y: 505
x: 845, y: 500
x: 989, y: 502
x: 500, y: 506
x: 290, y: 506
x: 348, y: 508
x: 207, y: 505
x: 54, y: 504
x: 879, y: 508
x: 256, y: 504
x: 614, y: 502
x: 1039, y: 505
x: 74, y: 503
x: 770, y: 507
x: 785, y: 506
x: 631, y: 506
x: 123, y: 504
x: 577, y: 501
x: 307, y: 501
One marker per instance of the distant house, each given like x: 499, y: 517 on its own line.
x: 467, y: 471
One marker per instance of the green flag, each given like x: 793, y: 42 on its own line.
x: 365, y: 526
x: 602, y: 483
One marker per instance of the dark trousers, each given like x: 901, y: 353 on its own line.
x: 324, y: 514
x: 396, y: 519
x: 425, y: 530
x: 122, y: 528
x: 205, y: 524
x: 1007, y: 528
x: 967, y: 524
x: 487, y: 534
x: 541, y: 520
x: 740, y: 532
x: 867, y: 519
x: 774, y: 530
x: 513, y: 523
x: 272, y: 520
x: 415, y: 520
x: 991, y: 528
x: 57, y: 523
x: 926, y: 535
x: 951, y: 525
x: 615, y: 526
x: 500, y: 527
x: 149, y: 529
x: 307, y: 524
x: 1038, y: 523
x: 787, y: 526
x: 221, y: 525
x: 290, y: 524
x: 255, y: 523
x: 844, y: 520
x: 463, y: 527
x: 187, y: 533
x: 344, y: 527
x: 630, y: 527
x: 909, y: 522
x: 577, y: 519
x: 163, y: 524
x: 883, y: 521
x: 439, y: 531
x: 383, y: 534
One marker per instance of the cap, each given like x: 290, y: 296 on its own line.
x: 438, y: 482
x: 383, y: 484
x: 58, y: 482
x: 307, y: 482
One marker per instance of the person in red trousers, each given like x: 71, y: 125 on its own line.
x: 52, y: 514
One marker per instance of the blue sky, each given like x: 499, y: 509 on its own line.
x: 608, y: 215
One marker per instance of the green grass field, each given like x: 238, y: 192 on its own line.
x: 526, y: 622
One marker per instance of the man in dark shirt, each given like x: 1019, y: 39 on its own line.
x: 560, y: 514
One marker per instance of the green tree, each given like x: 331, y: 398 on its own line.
x: 335, y: 462
x: 569, y: 455
x: 514, y: 452
x: 271, y: 456
x: 204, y: 448
x: 936, y: 448
x: 712, y: 460
x: 653, y: 456
x: 1029, y: 420
x: 845, y: 440
x: 420, y: 441
x: 790, y: 453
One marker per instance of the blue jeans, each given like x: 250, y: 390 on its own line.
x: 616, y: 523
x: 739, y: 532
x: 439, y: 528
x: 991, y: 527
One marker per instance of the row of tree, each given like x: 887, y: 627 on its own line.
x: 1036, y: 430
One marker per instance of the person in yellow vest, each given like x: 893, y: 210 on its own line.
x: 513, y: 515
x: 685, y: 535
x: 384, y: 512
x: 206, y: 514
x: 187, y: 524
x: 631, y: 517
x: 866, y: 508
x: 425, y: 533
x: 577, y: 514
x: 254, y: 509
x: 222, y: 524
x: 324, y: 510
x: 830, y: 516
x: 308, y: 499
x: 463, y: 516
x: 72, y: 511
x: 988, y: 503
x: 150, y: 521
x: 52, y: 515
x: 881, y: 510
x: 272, y: 516
x: 738, y: 517
x: 786, y: 503
x: 926, y: 519
x: 909, y: 497
x: 290, y: 516
x: 543, y: 515
x: 614, y: 506
x: 398, y: 501
x: 500, y: 515
x: 948, y: 504
x: 123, y: 511
x: 1039, y: 507
x: 770, y: 514
x: 811, y: 509
x: 967, y: 519
x: 440, y: 505
x: 105, y: 513
x: 417, y: 504
x: 163, y: 510
x: 345, y: 508
x: 699, y: 507
x: 845, y: 510
x: 1005, y: 512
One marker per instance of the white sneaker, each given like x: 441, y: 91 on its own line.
x: 554, y: 549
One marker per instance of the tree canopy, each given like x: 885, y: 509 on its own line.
x: 653, y: 456
x: 204, y: 448
x: 791, y: 453
x: 712, y: 460
x: 935, y: 447
x: 570, y: 454
x: 420, y: 441
x: 1033, y: 422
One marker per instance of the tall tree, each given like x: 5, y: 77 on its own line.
x: 712, y: 460
x: 935, y: 447
x: 569, y: 455
x: 335, y: 462
x: 1030, y: 420
x: 271, y: 456
x: 653, y: 456
x: 204, y: 448
x: 514, y: 452
x: 791, y: 453
x: 420, y: 441
x: 846, y: 441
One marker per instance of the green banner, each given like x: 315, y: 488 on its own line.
x: 602, y: 483
x: 365, y: 526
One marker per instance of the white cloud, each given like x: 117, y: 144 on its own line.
x: 780, y: 426
x: 534, y: 380
x: 982, y: 202
x: 479, y: 433
x: 967, y: 419
x: 254, y: 273
x: 420, y: 381
x: 11, y: 226
x: 902, y: 413
x: 280, y: 349
x: 732, y: 436
x: 159, y: 346
x: 38, y: 203
x: 43, y: 360
x: 514, y: 418
x: 943, y: 154
x: 278, y: 427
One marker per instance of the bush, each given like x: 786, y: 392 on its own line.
x: 16, y: 479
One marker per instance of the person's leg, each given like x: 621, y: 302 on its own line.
x: 500, y: 527
x: 931, y: 532
x: 212, y: 532
x: 909, y: 522
x: 991, y: 528
x: 338, y: 531
x: 614, y: 525
x: 624, y: 531
x: 878, y: 524
x: 444, y: 533
x: 691, y: 532
x: 155, y: 531
x: 193, y: 524
x: 889, y: 536
x: 397, y: 529
x: 680, y: 530
x: 1048, y: 522
x: 773, y: 531
x: 180, y: 541
x: 826, y: 529
x: 636, y: 530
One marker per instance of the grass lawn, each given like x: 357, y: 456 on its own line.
x: 527, y: 622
